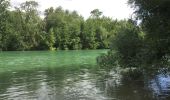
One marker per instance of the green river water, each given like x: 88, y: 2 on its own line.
x: 73, y: 75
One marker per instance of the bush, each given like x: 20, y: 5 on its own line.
x: 125, y: 48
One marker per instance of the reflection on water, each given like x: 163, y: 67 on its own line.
x: 80, y: 83
x: 73, y: 75
x: 160, y: 85
x: 50, y: 84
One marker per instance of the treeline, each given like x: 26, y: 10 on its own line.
x: 146, y: 45
x: 24, y: 29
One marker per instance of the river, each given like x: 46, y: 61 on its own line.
x: 73, y: 75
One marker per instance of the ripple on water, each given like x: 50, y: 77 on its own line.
x: 54, y: 76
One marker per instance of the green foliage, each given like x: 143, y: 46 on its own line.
x: 51, y: 39
x: 4, y: 4
x: 66, y: 26
x: 24, y: 29
x: 96, y: 13
x: 154, y: 15
x: 132, y: 48
x: 125, y: 47
x: 73, y: 32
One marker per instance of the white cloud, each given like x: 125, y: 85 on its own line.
x: 112, y: 8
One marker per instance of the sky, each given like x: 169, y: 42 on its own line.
x: 116, y: 9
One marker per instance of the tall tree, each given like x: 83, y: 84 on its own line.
x: 31, y: 23
x: 4, y: 4
x: 154, y: 15
x: 96, y: 13
x: 66, y: 26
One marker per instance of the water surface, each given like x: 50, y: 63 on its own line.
x: 73, y: 75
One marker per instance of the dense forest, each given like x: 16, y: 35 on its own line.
x: 143, y: 45
x: 23, y: 29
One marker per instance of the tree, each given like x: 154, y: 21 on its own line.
x: 66, y: 26
x: 125, y: 48
x: 155, y: 21
x: 96, y: 13
x: 23, y: 29
x: 51, y: 39
x: 31, y: 23
x: 4, y: 4
x: 127, y: 44
x: 101, y: 37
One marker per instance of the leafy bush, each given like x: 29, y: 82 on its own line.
x: 125, y: 47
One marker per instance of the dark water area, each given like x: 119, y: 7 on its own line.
x: 74, y: 75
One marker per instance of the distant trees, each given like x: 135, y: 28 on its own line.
x: 23, y: 29
x: 66, y: 26
x: 31, y: 23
